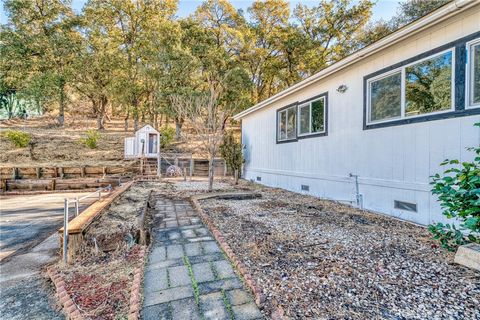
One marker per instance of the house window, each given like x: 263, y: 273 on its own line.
x: 287, y: 129
x: 473, y: 83
x: 311, y: 117
x: 428, y: 85
x: 386, y: 97
x: 419, y: 88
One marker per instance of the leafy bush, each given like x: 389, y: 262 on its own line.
x: 231, y: 151
x: 19, y: 138
x: 91, y: 140
x: 167, y: 136
x: 459, y: 193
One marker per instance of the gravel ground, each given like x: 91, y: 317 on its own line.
x: 324, y: 260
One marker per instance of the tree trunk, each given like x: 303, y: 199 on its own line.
x: 161, y: 120
x: 101, y: 113
x: 61, y: 112
x: 178, y: 128
x: 135, y: 116
x: 135, y: 122
x: 236, y: 176
x: 211, y: 172
x: 126, y: 120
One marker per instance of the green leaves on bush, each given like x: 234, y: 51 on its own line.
x: 167, y: 135
x: 231, y: 151
x: 19, y: 138
x: 458, y: 191
x: 91, y: 139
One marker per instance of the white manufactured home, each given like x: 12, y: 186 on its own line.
x: 372, y: 128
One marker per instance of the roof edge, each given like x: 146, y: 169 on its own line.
x: 435, y: 17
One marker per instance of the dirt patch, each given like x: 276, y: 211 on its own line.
x: 99, y: 282
x: 322, y: 259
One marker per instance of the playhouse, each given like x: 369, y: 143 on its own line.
x: 144, y: 143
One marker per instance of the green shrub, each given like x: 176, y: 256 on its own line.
x: 167, y: 136
x: 458, y: 191
x: 91, y: 139
x: 19, y: 138
x: 231, y: 151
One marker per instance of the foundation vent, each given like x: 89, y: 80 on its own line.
x: 407, y: 206
x: 259, y: 178
x: 305, y: 187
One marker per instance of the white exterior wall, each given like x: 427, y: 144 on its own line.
x: 393, y: 163
x: 133, y: 145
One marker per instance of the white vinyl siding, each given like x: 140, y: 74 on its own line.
x: 419, y: 88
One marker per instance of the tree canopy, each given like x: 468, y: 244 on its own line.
x: 132, y: 56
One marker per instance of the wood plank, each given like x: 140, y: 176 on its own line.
x: 79, y: 223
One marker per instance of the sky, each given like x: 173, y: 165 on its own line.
x: 384, y: 9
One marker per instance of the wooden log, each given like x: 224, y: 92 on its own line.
x: 54, y: 183
x: 141, y: 220
x: 72, y: 172
x: 79, y: 224
x: 5, y: 171
x: 60, y: 173
x: 82, y: 172
x: 89, y: 171
x: 27, y: 173
x: 116, y: 170
x: 75, y: 242
x: 24, y: 184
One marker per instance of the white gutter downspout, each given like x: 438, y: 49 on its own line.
x: 435, y: 17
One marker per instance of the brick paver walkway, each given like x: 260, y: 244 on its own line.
x: 187, y: 275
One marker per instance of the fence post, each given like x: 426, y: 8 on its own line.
x: 65, y: 229
x: 191, y: 166
x: 159, y: 159
x: 77, y: 205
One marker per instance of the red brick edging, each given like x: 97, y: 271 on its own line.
x: 69, y: 307
x: 135, y: 293
x: 278, y: 312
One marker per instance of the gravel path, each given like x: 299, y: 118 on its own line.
x: 323, y: 260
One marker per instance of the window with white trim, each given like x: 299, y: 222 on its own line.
x: 311, y: 117
x: 419, y: 88
x: 287, y: 128
x: 473, y: 83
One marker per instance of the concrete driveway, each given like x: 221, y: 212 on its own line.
x: 28, y: 242
x: 26, y: 220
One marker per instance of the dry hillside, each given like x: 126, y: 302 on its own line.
x: 62, y: 146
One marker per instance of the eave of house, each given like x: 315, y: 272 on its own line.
x: 415, y: 27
